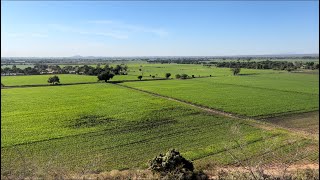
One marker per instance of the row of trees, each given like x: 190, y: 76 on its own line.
x: 56, y: 69
x: 208, y: 60
x: 276, y: 65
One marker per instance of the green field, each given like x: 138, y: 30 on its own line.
x: 248, y: 101
x: 114, y: 127
x: 64, y: 79
x: 105, y: 126
x: 42, y: 79
x: 190, y: 69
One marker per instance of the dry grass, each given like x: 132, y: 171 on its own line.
x: 308, y: 122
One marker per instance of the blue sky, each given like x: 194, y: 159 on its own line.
x: 159, y: 28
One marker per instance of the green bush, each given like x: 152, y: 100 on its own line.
x: 184, y: 76
x: 173, y: 166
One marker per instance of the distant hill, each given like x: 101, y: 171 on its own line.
x: 79, y: 57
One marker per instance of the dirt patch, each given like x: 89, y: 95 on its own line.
x: 90, y: 121
x: 272, y: 170
x: 307, y: 122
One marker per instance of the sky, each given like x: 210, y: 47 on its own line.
x: 158, y: 28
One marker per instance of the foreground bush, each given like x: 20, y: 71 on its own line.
x: 173, y: 166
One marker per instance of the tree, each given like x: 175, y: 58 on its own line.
x: 184, y: 76
x: 117, y: 69
x: 153, y: 77
x: 168, y: 75
x: 54, y: 80
x: 105, y: 76
x: 14, y: 68
x: 140, y: 77
x: 178, y: 76
x: 235, y: 71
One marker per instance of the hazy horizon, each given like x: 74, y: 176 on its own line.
x: 132, y: 29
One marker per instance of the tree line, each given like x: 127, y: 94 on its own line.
x: 276, y: 65
x: 56, y: 69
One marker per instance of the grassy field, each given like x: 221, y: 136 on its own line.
x: 104, y: 127
x: 160, y: 70
x: 64, y: 79
x: 248, y: 101
x: 42, y: 79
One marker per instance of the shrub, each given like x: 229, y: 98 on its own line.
x: 173, y: 166
x: 184, y: 76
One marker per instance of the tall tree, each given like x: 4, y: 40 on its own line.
x: 105, y: 76
x: 54, y: 80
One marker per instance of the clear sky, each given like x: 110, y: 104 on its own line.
x: 159, y: 28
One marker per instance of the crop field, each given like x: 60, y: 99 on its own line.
x: 159, y: 70
x: 104, y: 126
x: 282, y: 80
x: 42, y: 79
x: 247, y: 101
x: 64, y: 79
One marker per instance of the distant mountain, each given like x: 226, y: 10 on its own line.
x: 167, y: 57
x: 76, y: 56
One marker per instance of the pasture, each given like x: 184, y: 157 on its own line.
x: 239, y: 99
x: 104, y: 126
x: 83, y: 124
x: 64, y: 79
